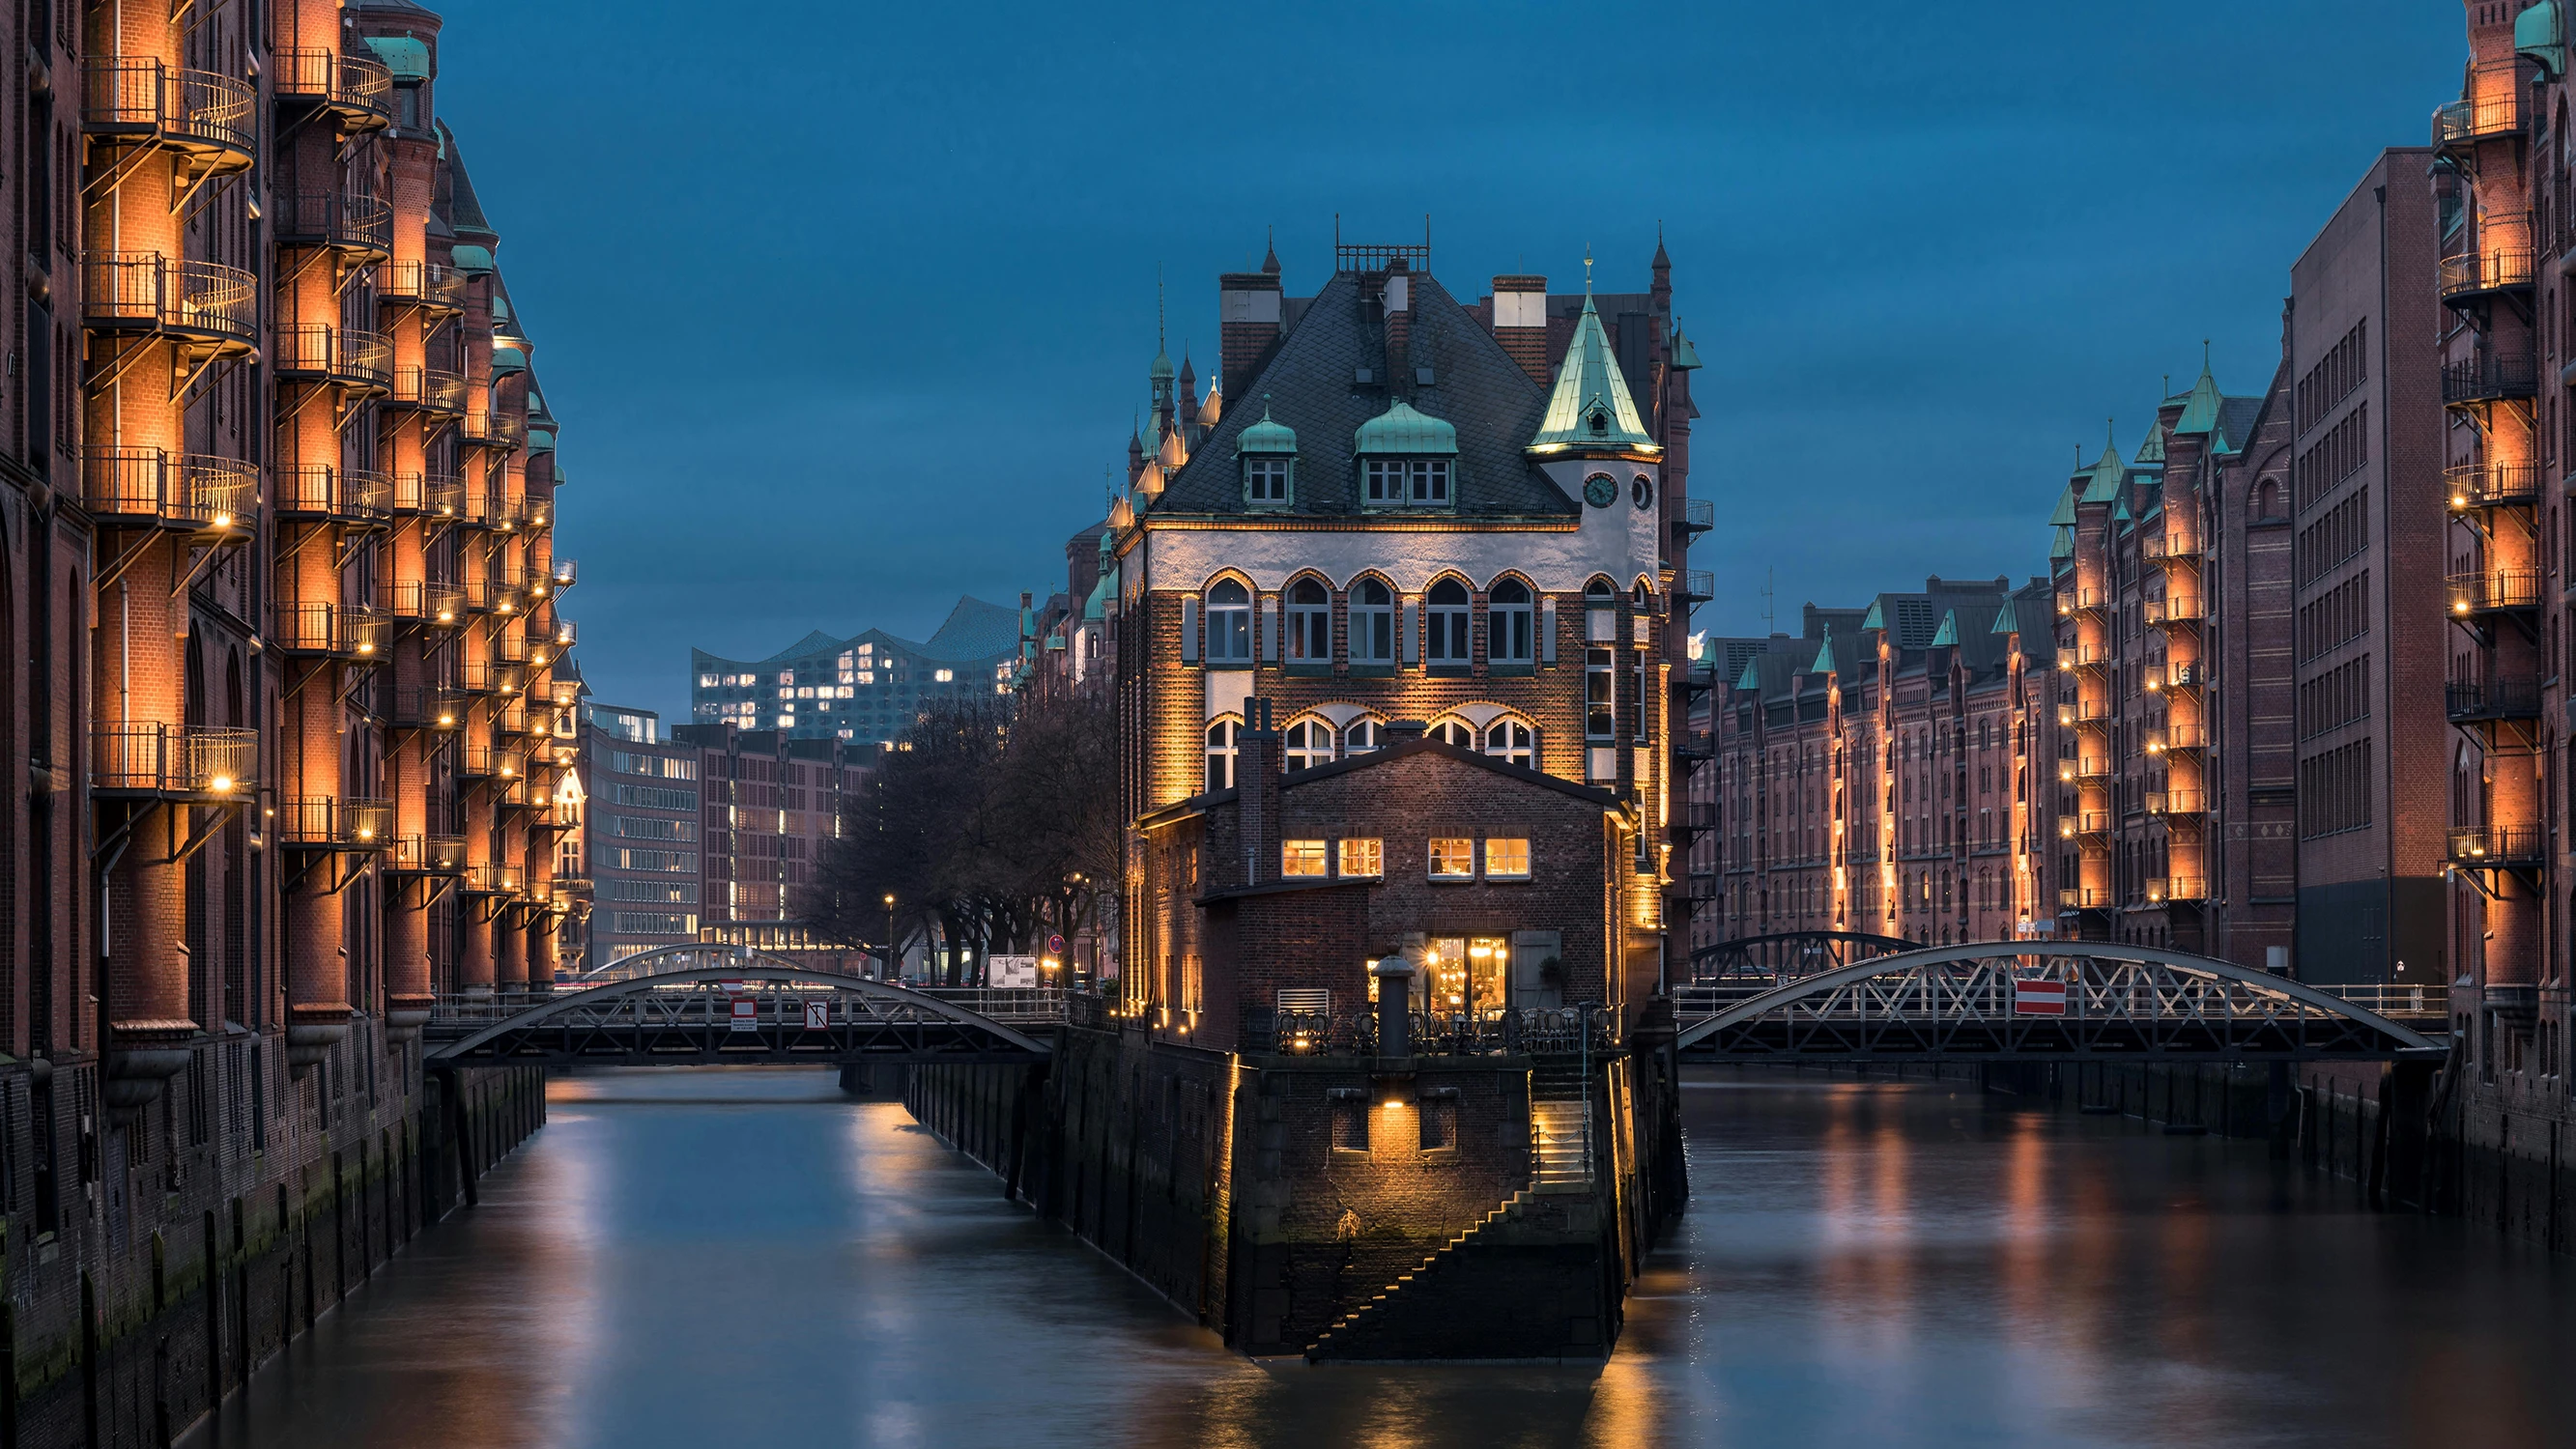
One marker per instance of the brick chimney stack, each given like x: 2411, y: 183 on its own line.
x: 1520, y: 322
x: 1257, y: 792
x: 1397, y: 291
x: 1247, y: 312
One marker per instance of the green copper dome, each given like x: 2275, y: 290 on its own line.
x: 1402, y: 430
x: 1266, y: 436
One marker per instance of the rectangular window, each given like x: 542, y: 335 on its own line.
x: 1507, y: 857
x: 1368, y: 857
x: 1350, y: 1120
x: 1430, y: 480
x: 1600, y: 696
x: 1385, y: 481
x: 1301, y: 857
x: 1265, y: 480
x: 1453, y: 857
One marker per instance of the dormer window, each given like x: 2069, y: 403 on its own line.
x: 1419, y: 481
x: 1407, y: 459
x: 1265, y: 480
x: 1267, y: 451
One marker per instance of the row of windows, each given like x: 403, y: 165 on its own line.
x: 2332, y: 458
x: 652, y: 797
x: 1448, y: 858
x: 666, y: 767
x: 1311, y: 740
x: 665, y: 893
x: 2335, y: 790
x: 2337, y: 616
x: 1369, y: 630
x: 651, y: 923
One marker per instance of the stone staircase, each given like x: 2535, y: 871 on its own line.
x: 1560, y: 1127
x: 1352, y: 1327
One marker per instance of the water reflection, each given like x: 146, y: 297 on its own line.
x: 747, y: 1257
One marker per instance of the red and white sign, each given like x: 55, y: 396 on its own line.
x: 1055, y: 945
x: 818, y: 1015
x: 746, y: 1014
x: 2039, y: 998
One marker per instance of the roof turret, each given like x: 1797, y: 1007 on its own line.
x: 2200, y: 408
x: 1402, y: 430
x: 1267, y: 436
x: 1590, y: 407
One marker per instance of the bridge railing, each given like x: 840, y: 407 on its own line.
x: 1014, y: 1006
x: 1433, y: 1034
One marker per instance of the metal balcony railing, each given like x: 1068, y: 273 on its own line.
x: 437, y: 605
x: 361, y: 90
x: 1698, y: 515
x: 499, y: 595
x: 428, y: 855
x: 335, y: 822
x: 2082, y: 898
x: 2494, y: 590
x: 151, y: 292
x: 338, y: 630
x: 509, y: 644
x: 180, y: 490
x: 2184, y: 676
x: 484, y: 677
x: 492, y: 880
x: 567, y: 573
x: 366, y: 497
x: 2492, y: 485
x: 343, y: 355
x: 2506, y: 697
x: 2496, y: 114
x: 428, y: 707
x: 355, y: 223
x: 442, y: 495
x: 2489, y: 379
x: 209, y: 115
x: 166, y: 759
x: 2178, y: 888
x: 2093, y: 767
x: 2496, y: 845
x: 1693, y: 586
x: 2092, y: 822
x: 426, y: 284
x: 567, y: 634
x: 2475, y: 274
x: 495, y: 430
x: 430, y: 389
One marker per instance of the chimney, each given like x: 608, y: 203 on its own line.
x: 1401, y: 730
x: 1256, y: 794
x: 1520, y: 322
x: 1247, y: 311
x: 1398, y: 294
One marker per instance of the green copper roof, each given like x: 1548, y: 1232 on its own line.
x: 1590, y: 406
x: 1402, y: 430
x: 2153, y: 449
x: 2064, y: 517
x: 1684, y: 357
x: 1873, y: 619
x: 474, y: 261
x: 540, y: 440
x: 2106, y: 473
x: 1824, y: 655
x: 2541, y: 35
x: 506, y: 358
x: 1266, y: 436
x: 2120, y: 512
x: 2064, y: 547
x: 1949, y: 633
x: 1751, y: 678
x: 407, y: 58
x: 2200, y: 409
x: 2006, y: 621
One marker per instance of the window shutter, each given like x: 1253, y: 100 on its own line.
x: 1547, y: 631
x: 1190, y: 630
x: 1270, y: 629
x: 1412, y: 630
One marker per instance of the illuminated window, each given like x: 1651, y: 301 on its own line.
x: 1301, y: 857
x: 1229, y: 623
x: 706, y: 681
x: 1448, y: 620
x: 1364, y: 857
x: 786, y: 692
x: 1600, y: 691
x: 787, y: 721
x: 945, y: 676
x: 787, y: 676
x: 1306, y: 744
x: 805, y: 691
x: 1513, y: 742
x: 1507, y: 623
x: 1221, y: 745
x: 1310, y: 622
x: 1507, y: 857
x: 1372, y: 623
x: 1453, y: 857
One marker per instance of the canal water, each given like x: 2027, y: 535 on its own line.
x: 747, y: 1257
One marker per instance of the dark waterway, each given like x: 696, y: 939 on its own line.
x: 697, y: 1257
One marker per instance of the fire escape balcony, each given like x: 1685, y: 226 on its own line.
x: 359, y: 226
x: 2188, y: 675
x: 2475, y: 701
x: 305, y: 490
x: 2082, y: 898
x: 442, y: 495
x: 509, y: 643
x: 335, y: 631
x: 488, y: 879
x: 2477, y: 275
x: 1698, y: 516
x: 430, y: 390
x: 2486, y: 378
x: 205, y: 306
x: 566, y: 574
x: 2177, y: 739
x: 360, y: 92
x: 200, y: 763
x: 428, y: 707
x: 2178, y: 890
x: 2071, y: 602
x: 567, y: 634
x: 433, y: 285
x: 492, y: 762
x: 326, y: 822
x: 208, y: 119
x: 505, y: 680
x: 2175, y: 804
x: 364, y: 499
x: 2459, y: 125
x: 346, y: 356
x: 1692, y: 587
x: 215, y: 498
x: 427, y: 855
x: 356, y: 497
x: 2485, y: 847
x: 2494, y: 591
x: 435, y: 606
x: 2094, y: 769
x: 2090, y: 656
x: 497, y: 594
x: 2492, y: 485
x: 499, y: 431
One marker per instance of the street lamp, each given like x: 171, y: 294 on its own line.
x: 891, y: 971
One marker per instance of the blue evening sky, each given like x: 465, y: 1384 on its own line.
x: 845, y: 309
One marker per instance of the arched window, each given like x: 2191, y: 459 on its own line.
x: 1372, y: 623
x: 1221, y: 742
x: 1512, y: 741
x: 1642, y: 598
x: 1453, y: 732
x: 1308, y: 743
x: 1310, y: 622
x: 1507, y: 623
x: 1448, y: 642
x: 1229, y: 623
x: 1361, y: 736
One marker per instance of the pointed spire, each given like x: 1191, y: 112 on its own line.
x: 2200, y: 409
x: 1825, y: 655
x: 1590, y: 406
x: 1663, y: 263
x: 1270, y: 250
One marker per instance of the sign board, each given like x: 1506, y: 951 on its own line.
x: 2039, y: 998
x: 818, y: 1015
x: 731, y: 985
x: 746, y: 1014
x: 1011, y: 970
x: 1055, y: 945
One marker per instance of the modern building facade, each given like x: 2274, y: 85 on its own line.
x: 866, y: 689
x: 278, y: 586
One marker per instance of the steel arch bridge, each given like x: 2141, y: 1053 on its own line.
x: 737, y: 1009
x: 2035, y: 1001
x: 1791, y: 953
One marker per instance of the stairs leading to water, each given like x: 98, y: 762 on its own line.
x: 1355, y: 1325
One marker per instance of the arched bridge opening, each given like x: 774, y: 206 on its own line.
x: 2055, y: 1001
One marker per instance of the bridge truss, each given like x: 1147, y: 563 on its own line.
x: 1791, y: 953
x: 2029, y: 1001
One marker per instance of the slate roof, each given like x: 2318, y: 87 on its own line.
x: 465, y: 210
x: 1308, y: 386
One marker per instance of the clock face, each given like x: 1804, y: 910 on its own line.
x: 1600, y: 491
x: 1642, y: 492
